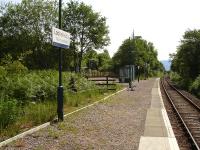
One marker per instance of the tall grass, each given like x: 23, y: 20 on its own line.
x: 29, y: 98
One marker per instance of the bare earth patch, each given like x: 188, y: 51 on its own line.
x: 116, y: 123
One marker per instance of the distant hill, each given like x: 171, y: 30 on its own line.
x: 166, y: 64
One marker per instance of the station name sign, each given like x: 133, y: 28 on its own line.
x: 60, y: 38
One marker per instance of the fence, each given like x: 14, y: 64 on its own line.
x: 110, y: 83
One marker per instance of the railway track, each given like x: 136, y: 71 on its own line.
x: 187, y: 111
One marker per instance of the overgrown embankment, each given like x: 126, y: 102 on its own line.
x: 28, y: 98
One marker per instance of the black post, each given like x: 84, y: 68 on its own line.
x: 138, y: 73
x: 60, y: 87
x: 107, y: 82
x: 145, y: 70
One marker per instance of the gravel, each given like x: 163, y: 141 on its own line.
x: 116, y: 123
x: 181, y: 137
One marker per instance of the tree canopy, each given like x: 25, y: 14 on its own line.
x: 87, y: 27
x: 186, y: 61
x: 25, y: 32
x: 137, y: 52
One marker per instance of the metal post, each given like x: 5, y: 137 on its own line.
x: 60, y: 87
x: 138, y: 67
x: 107, y: 82
x: 145, y: 70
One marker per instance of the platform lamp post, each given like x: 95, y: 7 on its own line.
x: 60, y: 87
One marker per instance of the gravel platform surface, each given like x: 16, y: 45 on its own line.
x: 116, y: 123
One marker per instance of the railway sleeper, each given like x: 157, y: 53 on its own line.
x: 197, y: 136
x: 192, y: 115
x: 197, y: 128
x: 194, y: 124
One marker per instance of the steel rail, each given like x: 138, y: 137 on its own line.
x: 188, y: 99
x: 195, y: 145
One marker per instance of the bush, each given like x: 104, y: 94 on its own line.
x: 9, y: 112
x: 179, y: 81
x: 38, y: 85
x: 16, y: 67
x: 195, y: 87
x: 175, y: 77
x: 29, y: 98
x: 3, y: 72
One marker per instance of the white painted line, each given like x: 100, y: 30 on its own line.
x: 24, y: 134
x: 165, y: 116
x: 94, y: 102
x: 21, y: 135
x: 171, y: 137
x: 158, y: 143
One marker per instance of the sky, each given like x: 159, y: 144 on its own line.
x: 162, y: 22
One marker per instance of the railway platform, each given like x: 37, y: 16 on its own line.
x: 158, y: 133
x: 128, y: 120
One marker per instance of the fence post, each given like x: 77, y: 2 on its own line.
x: 107, y: 82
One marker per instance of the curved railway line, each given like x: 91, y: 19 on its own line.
x: 186, y: 110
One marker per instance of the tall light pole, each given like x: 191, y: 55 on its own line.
x: 60, y: 87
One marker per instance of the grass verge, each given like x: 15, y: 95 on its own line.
x: 35, y: 114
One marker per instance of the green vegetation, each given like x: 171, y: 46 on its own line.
x: 195, y: 86
x: 28, y: 61
x: 27, y: 36
x: 139, y: 52
x: 88, y: 29
x: 28, y: 99
x: 186, y: 62
x: 101, y: 62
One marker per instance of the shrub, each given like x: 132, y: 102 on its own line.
x: 9, y: 112
x: 37, y: 91
x: 179, y: 81
x: 3, y: 72
x: 195, y: 87
x: 16, y: 67
x: 175, y: 77
x: 19, y: 91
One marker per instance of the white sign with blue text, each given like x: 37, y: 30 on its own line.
x: 60, y: 38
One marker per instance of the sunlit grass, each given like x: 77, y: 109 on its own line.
x: 34, y: 114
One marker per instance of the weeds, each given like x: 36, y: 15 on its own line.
x: 29, y: 99
x: 53, y: 133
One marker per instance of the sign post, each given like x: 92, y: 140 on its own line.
x: 60, y: 39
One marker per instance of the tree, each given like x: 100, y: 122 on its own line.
x: 26, y: 32
x: 186, y: 62
x: 125, y: 54
x: 104, y: 61
x: 89, y: 55
x: 137, y: 52
x: 88, y: 29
